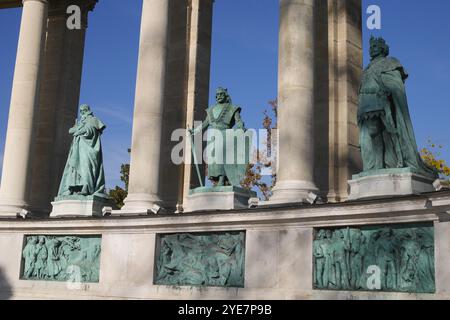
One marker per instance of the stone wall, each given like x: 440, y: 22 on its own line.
x: 278, y: 250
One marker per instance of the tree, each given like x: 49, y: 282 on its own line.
x: 431, y: 155
x: 118, y: 194
x: 254, y: 177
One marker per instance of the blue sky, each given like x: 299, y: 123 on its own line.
x: 244, y: 59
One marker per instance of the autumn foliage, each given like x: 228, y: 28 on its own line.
x: 254, y: 178
x: 431, y: 155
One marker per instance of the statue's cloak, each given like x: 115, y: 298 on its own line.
x: 390, y: 99
x: 84, y: 173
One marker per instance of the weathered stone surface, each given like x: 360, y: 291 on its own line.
x: 388, y: 183
x: 79, y: 206
x: 217, y: 198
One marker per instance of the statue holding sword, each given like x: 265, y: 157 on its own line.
x: 224, y: 121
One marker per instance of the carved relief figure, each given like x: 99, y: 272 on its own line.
x: 41, y: 260
x: 403, y: 254
x: 357, y: 252
x: 29, y: 254
x: 324, y: 253
x: 341, y: 248
x: 319, y: 257
x: 57, y: 257
x: 201, y: 260
x: 386, y: 252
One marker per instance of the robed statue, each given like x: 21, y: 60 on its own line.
x: 225, y: 124
x: 84, y: 174
x: 386, y: 133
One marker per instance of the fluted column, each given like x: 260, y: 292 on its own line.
x: 145, y: 171
x: 14, y: 190
x: 295, y: 175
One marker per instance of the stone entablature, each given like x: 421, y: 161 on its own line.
x: 10, y: 4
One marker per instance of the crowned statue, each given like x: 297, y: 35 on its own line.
x: 386, y: 132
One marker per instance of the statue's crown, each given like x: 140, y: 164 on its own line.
x: 378, y: 41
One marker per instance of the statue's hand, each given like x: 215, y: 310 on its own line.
x: 193, y: 132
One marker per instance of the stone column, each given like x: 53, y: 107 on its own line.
x: 14, y: 190
x: 338, y: 73
x: 296, y: 74
x: 145, y: 172
x: 345, y: 71
x: 58, y: 103
x: 200, y: 33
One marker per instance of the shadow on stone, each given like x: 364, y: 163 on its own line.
x: 5, y: 287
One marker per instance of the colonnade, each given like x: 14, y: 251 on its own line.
x: 319, y: 46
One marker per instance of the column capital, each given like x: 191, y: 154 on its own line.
x: 43, y: 1
x: 60, y: 7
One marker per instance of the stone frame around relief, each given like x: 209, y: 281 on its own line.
x: 239, y: 235
x: 402, y: 237
x: 97, y: 258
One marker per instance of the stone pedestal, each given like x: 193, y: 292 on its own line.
x: 218, y: 198
x: 79, y: 206
x: 388, y: 183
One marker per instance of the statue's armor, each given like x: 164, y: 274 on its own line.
x: 373, y: 96
x: 221, y: 116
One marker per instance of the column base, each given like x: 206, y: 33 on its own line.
x: 293, y: 191
x: 40, y: 211
x: 11, y: 208
x: 138, y: 203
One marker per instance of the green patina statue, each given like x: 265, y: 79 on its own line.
x: 84, y: 174
x: 386, y: 133
x: 397, y: 258
x: 215, y: 260
x: 61, y: 258
x: 225, y: 124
